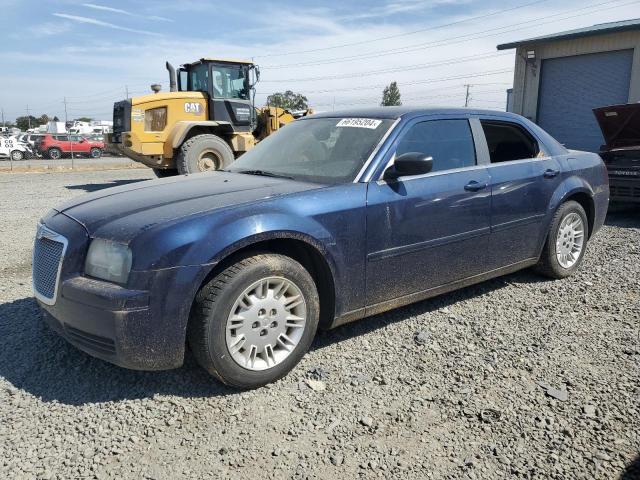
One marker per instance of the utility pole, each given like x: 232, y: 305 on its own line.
x: 126, y: 91
x: 28, y: 117
x: 333, y: 107
x: 65, y: 112
x: 467, y: 96
x: 4, y: 125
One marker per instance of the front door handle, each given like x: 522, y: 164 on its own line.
x: 474, y: 186
x: 550, y: 173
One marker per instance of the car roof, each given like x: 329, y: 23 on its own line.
x: 407, y: 112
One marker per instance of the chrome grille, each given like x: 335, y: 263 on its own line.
x: 48, y: 252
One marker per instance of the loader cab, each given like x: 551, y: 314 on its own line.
x: 228, y: 85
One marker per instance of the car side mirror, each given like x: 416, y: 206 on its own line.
x: 409, y: 164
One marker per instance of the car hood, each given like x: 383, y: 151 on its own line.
x: 120, y: 213
x: 620, y: 125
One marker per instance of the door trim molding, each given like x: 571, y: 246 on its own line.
x: 517, y: 223
x: 435, y: 242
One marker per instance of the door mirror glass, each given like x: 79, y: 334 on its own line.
x: 408, y: 164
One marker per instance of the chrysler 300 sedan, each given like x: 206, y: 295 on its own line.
x: 337, y: 217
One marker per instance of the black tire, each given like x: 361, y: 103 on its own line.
x: 165, y: 172
x: 95, y: 153
x: 17, y: 155
x: 548, y: 265
x: 54, y: 153
x: 213, y: 304
x: 216, y: 151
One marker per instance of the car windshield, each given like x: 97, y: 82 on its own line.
x: 322, y: 150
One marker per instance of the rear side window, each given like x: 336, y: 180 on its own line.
x: 448, y: 142
x: 509, y: 141
x: 61, y: 138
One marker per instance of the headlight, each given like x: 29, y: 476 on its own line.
x: 155, y: 119
x: 109, y: 261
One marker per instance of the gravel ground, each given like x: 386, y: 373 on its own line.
x: 515, y: 377
x: 105, y: 162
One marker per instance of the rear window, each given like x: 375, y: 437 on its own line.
x: 509, y: 141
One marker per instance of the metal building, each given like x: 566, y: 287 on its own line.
x: 560, y: 78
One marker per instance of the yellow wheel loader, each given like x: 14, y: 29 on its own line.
x: 203, y: 123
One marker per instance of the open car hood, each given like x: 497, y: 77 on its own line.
x: 620, y: 125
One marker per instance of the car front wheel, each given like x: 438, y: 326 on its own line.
x: 17, y: 155
x: 254, y: 321
x: 566, y: 242
x: 95, y: 153
x: 55, y: 153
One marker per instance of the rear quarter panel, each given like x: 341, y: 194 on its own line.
x: 584, y: 172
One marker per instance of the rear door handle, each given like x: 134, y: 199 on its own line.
x: 474, y: 186
x: 550, y: 173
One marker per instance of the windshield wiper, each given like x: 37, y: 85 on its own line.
x: 263, y: 173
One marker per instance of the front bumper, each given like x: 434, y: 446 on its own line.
x: 114, y: 324
x: 141, y: 327
x: 624, y: 189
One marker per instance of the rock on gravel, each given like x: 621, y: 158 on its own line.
x: 467, y: 404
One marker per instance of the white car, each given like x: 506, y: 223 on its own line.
x: 11, y: 148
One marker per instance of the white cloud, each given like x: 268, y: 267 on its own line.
x: 125, y: 12
x: 48, y: 29
x: 87, y: 67
x: 100, y: 23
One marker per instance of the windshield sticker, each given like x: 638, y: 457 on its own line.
x: 359, y: 123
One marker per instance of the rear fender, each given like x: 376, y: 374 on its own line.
x: 180, y: 131
x: 569, y: 187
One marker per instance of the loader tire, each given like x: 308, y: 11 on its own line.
x: 203, y: 153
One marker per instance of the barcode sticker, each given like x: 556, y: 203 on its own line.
x: 359, y: 123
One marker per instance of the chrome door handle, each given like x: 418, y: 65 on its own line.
x: 474, y: 186
x: 550, y: 173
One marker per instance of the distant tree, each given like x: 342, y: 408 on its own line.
x: 391, y: 96
x: 44, y: 119
x: 288, y: 100
x: 83, y: 119
x: 24, y: 123
x: 56, y: 119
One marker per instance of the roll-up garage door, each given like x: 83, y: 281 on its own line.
x: 570, y: 87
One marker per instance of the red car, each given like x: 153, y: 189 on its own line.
x: 56, y: 145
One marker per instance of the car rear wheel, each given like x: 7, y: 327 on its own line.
x: 254, y: 321
x: 566, y: 242
x: 165, y: 172
x: 17, y: 155
x: 54, y: 153
x: 203, y: 153
x: 95, y: 153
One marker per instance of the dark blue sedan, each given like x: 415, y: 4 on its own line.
x: 336, y: 217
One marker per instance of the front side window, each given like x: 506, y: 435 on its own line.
x: 448, y: 142
x: 229, y: 82
x: 199, y: 78
x: 62, y: 138
x: 509, y: 141
x: 323, y: 150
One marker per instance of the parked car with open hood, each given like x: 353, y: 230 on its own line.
x: 336, y: 217
x: 620, y: 125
